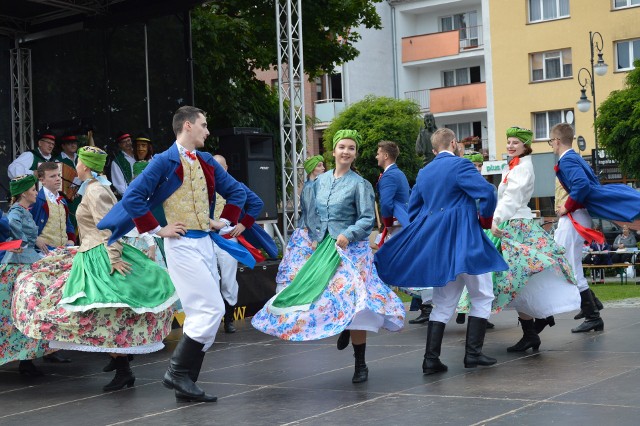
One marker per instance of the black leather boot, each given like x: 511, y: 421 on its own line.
x: 56, y: 357
x: 228, y: 318
x: 461, y: 318
x: 124, y: 376
x: 185, y: 365
x: 425, y: 311
x: 530, y: 338
x: 540, y: 323
x: 592, y: 320
x: 112, y: 363
x: 597, y: 301
x: 194, y: 373
x: 473, y: 356
x: 361, y: 373
x: 27, y: 368
x: 343, y: 340
x: 431, y: 363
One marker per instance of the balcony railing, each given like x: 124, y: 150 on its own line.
x: 327, y: 110
x: 421, y: 97
x: 438, y: 45
x: 458, y: 98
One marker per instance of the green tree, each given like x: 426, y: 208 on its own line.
x: 233, y: 38
x: 377, y: 119
x: 618, y: 124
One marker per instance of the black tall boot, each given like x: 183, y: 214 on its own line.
x: 425, y: 311
x: 228, y: 318
x: 599, y: 305
x: 431, y: 363
x: 592, y: 320
x: 124, y: 376
x: 194, y: 373
x: 188, y: 355
x: 540, y: 323
x: 530, y: 338
x: 473, y: 356
x: 361, y: 373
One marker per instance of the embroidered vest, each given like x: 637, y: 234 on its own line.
x: 55, y: 230
x: 190, y: 203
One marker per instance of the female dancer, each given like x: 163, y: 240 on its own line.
x: 539, y: 282
x: 114, y: 299
x: 13, y: 344
x: 302, y: 241
x: 338, y: 287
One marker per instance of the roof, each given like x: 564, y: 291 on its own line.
x: 22, y: 19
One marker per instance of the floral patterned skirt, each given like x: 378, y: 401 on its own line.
x: 298, y: 251
x: 119, y: 330
x: 355, y: 298
x: 539, y: 281
x: 14, y: 345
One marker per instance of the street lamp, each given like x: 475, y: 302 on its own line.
x: 599, y: 68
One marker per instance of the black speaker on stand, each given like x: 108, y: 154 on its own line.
x: 250, y: 158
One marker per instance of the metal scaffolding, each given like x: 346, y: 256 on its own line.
x: 21, y: 105
x: 292, y: 111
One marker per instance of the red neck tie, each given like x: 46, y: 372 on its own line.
x: 59, y: 199
x: 514, y: 162
x: 190, y: 154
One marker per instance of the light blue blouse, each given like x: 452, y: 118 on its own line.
x: 22, y: 227
x: 344, y: 206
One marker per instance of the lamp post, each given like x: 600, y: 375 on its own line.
x: 599, y: 68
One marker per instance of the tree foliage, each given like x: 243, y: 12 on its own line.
x: 618, y: 124
x: 233, y: 38
x: 377, y: 119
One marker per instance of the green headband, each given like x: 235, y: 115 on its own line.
x: 20, y: 184
x: 311, y: 163
x: 475, y: 158
x: 93, y: 157
x: 139, y: 166
x: 347, y: 134
x: 525, y: 135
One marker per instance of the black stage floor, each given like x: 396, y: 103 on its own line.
x: 575, y: 379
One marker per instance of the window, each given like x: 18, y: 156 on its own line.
x: 462, y: 130
x: 627, y: 52
x: 467, y: 23
x: 544, y: 121
x: 545, y: 10
x: 551, y: 65
x: 620, y: 4
x: 460, y: 76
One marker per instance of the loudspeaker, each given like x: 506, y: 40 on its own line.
x: 250, y: 157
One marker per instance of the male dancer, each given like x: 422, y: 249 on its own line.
x: 393, y: 195
x: 444, y: 246
x: 184, y: 181
x: 228, y: 265
x: 586, y: 196
x: 51, y: 212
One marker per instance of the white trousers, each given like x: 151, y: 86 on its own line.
x: 427, y: 295
x: 446, y: 298
x: 192, y: 265
x: 228, y: 269
x: 567, y: 236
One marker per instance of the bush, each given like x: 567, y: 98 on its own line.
x: 377, y: 119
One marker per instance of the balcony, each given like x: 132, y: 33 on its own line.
x: 438, y: 45
x: 458, y: 98
x: 327, y: 110
x: 421, y: 97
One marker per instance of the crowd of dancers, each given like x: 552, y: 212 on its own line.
x: 183, y: 223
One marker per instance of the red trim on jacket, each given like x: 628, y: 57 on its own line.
x: 231, y: 213
x: 485, y: 222
x: 146, y: 222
